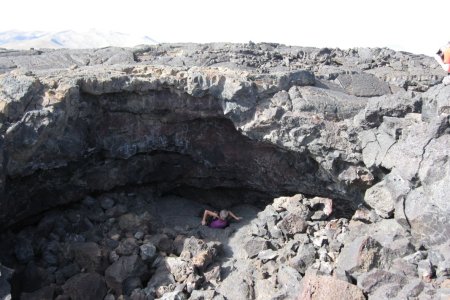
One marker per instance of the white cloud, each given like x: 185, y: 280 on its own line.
x: 415, y: 26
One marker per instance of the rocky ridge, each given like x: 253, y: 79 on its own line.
x: 221, y: 123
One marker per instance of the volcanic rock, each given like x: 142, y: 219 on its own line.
x: 85, y: 286
x: 119, y: 131
x: 322, y: 287
x: 125, y: 267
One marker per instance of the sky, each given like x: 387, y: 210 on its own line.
x: 415, y: 26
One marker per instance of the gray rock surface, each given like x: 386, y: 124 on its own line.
x: 124, y: 268
x: 363, y: 85
x: 85, y: 286
x: 314, y: 287
x: 88, y: 256
x: 50, y: 107
x: 362, y: 132
x: 5, y: 286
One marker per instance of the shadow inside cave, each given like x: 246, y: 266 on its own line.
x: 110, y: 224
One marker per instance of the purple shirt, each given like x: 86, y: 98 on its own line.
x: 218, y: 223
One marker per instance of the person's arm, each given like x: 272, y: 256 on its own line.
x: 234, y: 216
x: 208, y: 213
x: 439, y: 59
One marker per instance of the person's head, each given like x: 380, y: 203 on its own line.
x: 223, y: 214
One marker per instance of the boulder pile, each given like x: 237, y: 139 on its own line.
x: 296, y: 247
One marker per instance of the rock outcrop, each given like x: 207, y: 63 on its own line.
x: 363, y: 134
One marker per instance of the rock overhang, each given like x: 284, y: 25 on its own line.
x: 118, y: 113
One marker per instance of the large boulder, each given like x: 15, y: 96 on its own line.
x: 427, y: 208
x: 5, y: 286
x: 363, y: 85
x: 255, y: 245
x: 361, y: 255
x: 385, y: 195
x: 317, y: 287
x: 125, y: 267
x: 377, y: 279
x: 238, y: 285
x: 293, y: 224
x: 85, y: 286
x: 89, y: 256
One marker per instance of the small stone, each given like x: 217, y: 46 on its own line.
x: 319, y: 216
x: 267, y: 255
x: 306, y: 256
x: 162, y: 242
x: 116, y: 211
x: 415, y: 257
x: 70, y: 270
x: 74, y: 238
x: 110, y: 297
x: 5, y: 277
x: 129, y: 222
x: 293, y: 224
x: 147, y: 252
x: 254, y: 246
x: 275, y: 232
x: 202, y: 295
x: 139, y: 235
x: 412, y: 289
x: 425, y: 270
x: 24, y: 250
x: 115, y: 237
x: 111, y: 244
x: 202, y: 260
x: 106, y: 203
x: 128, y: 247
x: 213, y: 275
x: 176, y: 295
x: 325, y: 268
x: 89, y: 201
x: 443, y: 269
x: 320, y: 241
x: 365, y: 215
x: 325, y: 204
x: 113, y: 256
x: 130, y: 284
x: 323, y: 255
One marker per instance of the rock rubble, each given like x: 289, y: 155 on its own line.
x: 252, y: 259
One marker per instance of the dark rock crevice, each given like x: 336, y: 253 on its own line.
x: 119, y: 144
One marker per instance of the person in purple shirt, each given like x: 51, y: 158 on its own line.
x: 218, y: 220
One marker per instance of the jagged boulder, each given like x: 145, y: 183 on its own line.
x: 125, y: 267
x: 363, y: 85
x: 85, y: 286
x: 315, y: 287
x: 5, y: 286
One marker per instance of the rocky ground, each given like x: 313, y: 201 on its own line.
x: 139, y: 246
x: 92, y: 140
